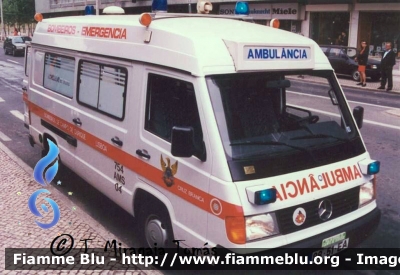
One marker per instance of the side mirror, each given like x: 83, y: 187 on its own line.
x: 358, y: 113
x: 182, y: 142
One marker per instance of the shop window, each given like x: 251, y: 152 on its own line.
x: 327, y: 27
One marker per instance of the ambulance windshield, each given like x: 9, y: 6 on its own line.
x: 281, y: 118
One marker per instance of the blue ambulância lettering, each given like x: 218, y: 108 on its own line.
x: 291, y: 53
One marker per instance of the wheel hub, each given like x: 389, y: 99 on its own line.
x: 155, y: 233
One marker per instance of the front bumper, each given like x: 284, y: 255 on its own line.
x: 357, y: 231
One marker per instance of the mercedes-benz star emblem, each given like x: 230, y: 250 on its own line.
x: 325, y: 210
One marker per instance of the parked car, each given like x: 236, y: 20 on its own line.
x: 14, y: 45
x: 342, y: 61
x: 26, y: 38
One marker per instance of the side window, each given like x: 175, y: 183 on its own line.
x: 171, y: 102
x: 59, y: 74
x: 27, y: 60
x: 103, y: 88
x: 325, y: 49
x: 334, y: 52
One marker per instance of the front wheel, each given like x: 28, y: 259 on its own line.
x: 155, y: 226
x: 13, y: 52
x: 356, y: 75
x: 5, y: 51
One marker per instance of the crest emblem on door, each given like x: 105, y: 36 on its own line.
x: 169, y: 171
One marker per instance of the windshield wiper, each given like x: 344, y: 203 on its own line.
x: 269, y: 143
x: 311, y: 136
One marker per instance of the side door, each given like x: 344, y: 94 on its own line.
x: 100, y: 126
x: 170, y: 100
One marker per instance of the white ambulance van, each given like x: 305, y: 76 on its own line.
x: 199, y: 126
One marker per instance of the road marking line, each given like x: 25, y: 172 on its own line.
x: 350, y: 101
x: 381, y: 124
x: 336, y: 115
x: 9, y: 60
x: 1, y: 100
x: 18, y: 114
x: 4, y: 137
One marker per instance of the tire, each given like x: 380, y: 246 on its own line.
x: 155, y: 229
x: 355, y: 75
x: 13, y: 52
x: 5, y: 51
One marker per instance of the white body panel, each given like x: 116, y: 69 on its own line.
x: 186, y: 50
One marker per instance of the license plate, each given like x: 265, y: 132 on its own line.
x: 333, y: 249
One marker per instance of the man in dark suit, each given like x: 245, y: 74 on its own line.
x: 387, y: 63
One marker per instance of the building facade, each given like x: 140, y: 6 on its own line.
x: 344, y: 22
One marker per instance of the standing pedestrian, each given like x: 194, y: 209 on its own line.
x: 342, y: 39
x: 387, y: 63
x: 362, y: 59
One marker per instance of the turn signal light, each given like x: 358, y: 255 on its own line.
x: 38, y: 17
x: 236, y: 229
x: 275, y: 23
x: 145, y: 19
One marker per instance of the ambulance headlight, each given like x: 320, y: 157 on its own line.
x: 242, y: 8
x: 261, y: 226
x: 367, y: 193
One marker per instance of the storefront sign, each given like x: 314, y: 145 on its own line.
x: 290, y: 11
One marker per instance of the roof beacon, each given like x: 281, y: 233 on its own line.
x: 275, y: 23
x: 113, y: 10
x: 89, y: 10
x: 159, y: 6
x: 204, y: 7
x: 242, y: 8
x: 38, y: 17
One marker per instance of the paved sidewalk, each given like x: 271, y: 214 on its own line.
x: 371, y: 85
x: 17, y: 226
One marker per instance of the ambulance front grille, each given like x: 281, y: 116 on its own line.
x: 342, y: 203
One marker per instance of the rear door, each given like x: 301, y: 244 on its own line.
x: 51, y: 96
